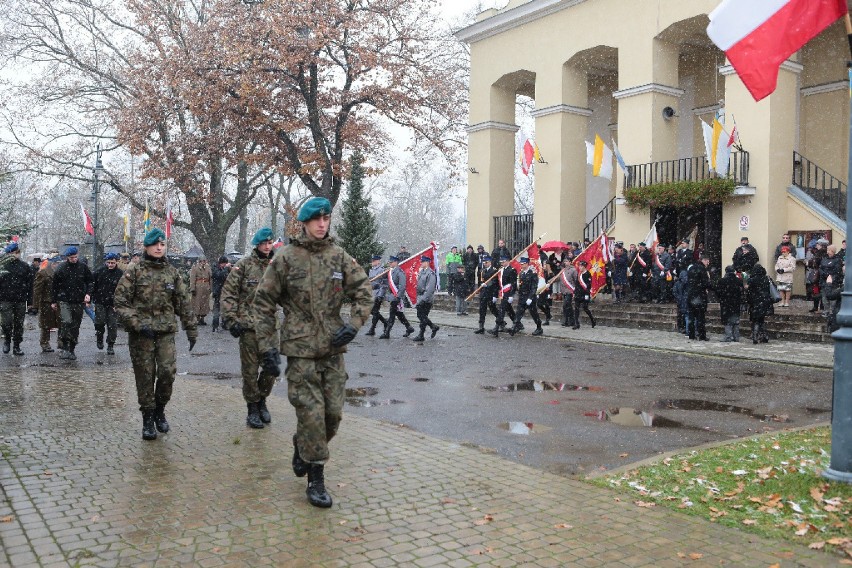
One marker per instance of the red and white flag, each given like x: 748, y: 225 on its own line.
x: 596, y: 256
x: 88, y: 225
x: 170, y: 219
x: 757, y: 36
x: 411, y: 266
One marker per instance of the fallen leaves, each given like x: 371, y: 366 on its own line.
x: 645, y: 504
x: 7, y: 519
x: 749, y: 522
x: 691, y: 555
x: 484, y: 520
x: 563, y: 526
x: 624, y: 455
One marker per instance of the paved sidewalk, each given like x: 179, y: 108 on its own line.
x: 81, y: 487
x: 819, y: 355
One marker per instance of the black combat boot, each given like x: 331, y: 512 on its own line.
x: 253, y: 418
x: 546, y: 322
x: 513, y: 330
x: 215, y: 324
x: 408, y: 331
x: 372, y: 330
x: 435, y: 329
x: 538, y: 330
x: 17, y: 350
x: 110, y: 349
x: 265, y: 417
x: 317, y: 495
x: 7, y: 345
x: 494, y: 331
x: 99, y: 339
x: 481, y: 329
x: 386, y: 333
x: 149, y: 431
x: 420, y: 337
x: 300, y: 468
x: 160, y: 419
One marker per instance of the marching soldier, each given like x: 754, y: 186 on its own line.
x: 583, y: 294
x: 642, y: 271
x: 16, y: 291
x: 487, y: 294
x: 219, y: 275
x: 569, y: 284
x: 427, y: 283
x: 660, y: 270
x: 103, y: 291
x: 309, y: 278
x: 507, y: 285
x: 379, y: 286
x: 147, y: 299
x: 71, y: 283
x: 397, y: 284
x: 237, y: 298
x: 527, y: 296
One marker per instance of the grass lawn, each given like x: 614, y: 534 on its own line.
x: 770, y: 485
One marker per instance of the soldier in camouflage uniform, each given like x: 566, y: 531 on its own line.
x: 147, y: 298
x: 379, y: 286
x: 238, y: 318
x: 310, y: 278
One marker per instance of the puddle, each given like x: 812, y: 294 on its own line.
x: 709, y: 405
x: 810, y: 410
x: 524, y: 428
x: 215, y: 376
x: 626, y: 416
x: 364, y: 403
x: 361, y: 392
x: 754, y: 374
x: 361, y: 374
x: 539, y: 386
x: 420, y: 380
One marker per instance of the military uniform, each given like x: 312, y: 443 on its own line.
x: 507, y: 286
x: 641, y: 269
x: 148, y: 297
x: 103, y: 291
x: 238, y: 316
x: 568, y: 278
x: 427, y: 283
x: 16, y: 292
x: 218, y: 276
x: 582, y: 297
x: 379, y: 286
x: 200, y: 288
x: 488, y: 297
x: 527, y: 295
x: 71, y: 283
x: 394, y: 293
x: 660, y: 270
x: 48, y: 318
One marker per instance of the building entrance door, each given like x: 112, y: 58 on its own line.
x: 675, y: 223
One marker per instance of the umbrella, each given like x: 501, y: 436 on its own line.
x: 554, y: 246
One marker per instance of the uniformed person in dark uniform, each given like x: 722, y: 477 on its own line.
x: 641, y: 269
x: 16, y: 292
x: 506, y: 288
x: 395, y: 292
x: 103, y: 291
x: 218, y: 276
x: 527, y: 296
x: 71, y: 283
x: 569, y: 285
x: 487, y: 294
x: 583, y: 294
x: 426, y: 286
x: 379, y: 286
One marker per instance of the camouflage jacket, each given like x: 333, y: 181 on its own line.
x: 238, y: 291
x: 309, y: 279
x: 152, y: 293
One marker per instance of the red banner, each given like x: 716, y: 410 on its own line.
x: 596, y: 256
x: 411, y: 266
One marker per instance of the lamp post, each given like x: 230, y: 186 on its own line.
x: 96, y: 185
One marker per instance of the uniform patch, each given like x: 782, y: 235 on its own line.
x: 170, y: 286
x: 337, y: 275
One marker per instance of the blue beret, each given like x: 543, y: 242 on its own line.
x: 11, y: 247
x: 425, y: 258
x: 486, y: 257
x: 154, y: 236
x: 314, y: 207
x: 525, y: 260
x: 504, y: 257
x: 262, y: 235
x: 70, y: 251
x: 376, y: 257
x: 110, y: 256
x: 392, y: 258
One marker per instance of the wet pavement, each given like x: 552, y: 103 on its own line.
x: 419, y: 471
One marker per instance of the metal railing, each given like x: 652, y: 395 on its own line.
x: 601, y: 222
x: 516, y: 230
x: 820, y: 185
x: 684, y: 169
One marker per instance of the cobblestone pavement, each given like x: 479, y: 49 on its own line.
x: 80, y: 487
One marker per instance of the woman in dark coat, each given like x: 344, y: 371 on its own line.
x: 620, y: 262
x: 730, y: 293
x: 760, y: 303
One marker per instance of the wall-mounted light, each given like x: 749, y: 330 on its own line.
x: 669, y: 113
x: 473, y: 170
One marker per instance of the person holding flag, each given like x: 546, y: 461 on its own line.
x: 393, y: 294
x: 427, y: 283
x: 568, y: 277
x: 583, y: 294
x: 488, y: 293
x: 527, y: 297
x: 378, y: 286
x: 507, y: 282
x: 642, y: 272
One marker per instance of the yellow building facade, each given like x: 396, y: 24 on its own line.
x: 645, y: 73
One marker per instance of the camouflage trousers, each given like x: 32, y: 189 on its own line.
x: 70, y: 315
x: 12, y: 320
x: 105, y: 317
x: 256, y: 384
x: 154, y: 367
x: 316, y: 389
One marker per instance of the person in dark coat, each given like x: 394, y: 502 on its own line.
x: 745, y: 256
x: 830, y: 272
x: 500, y: 251
x: 620, y: 263
x: 103, y: 291
x: 760, y: 302
x: 681, y: 294
x: 470, y: 260
x: 730, y: 294
x: 698, y: 279
x: 35, y: 266
x: 833, y: 296
x: 487, y: 294
x: 16, y: 292
x: 219, y: 275
x: 460, y: 289
x: 71, y: 284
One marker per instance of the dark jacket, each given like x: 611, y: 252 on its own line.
x: 16, y: 281
x: 489, y: 290
x: 471, y: 261
x: 217, y: 278
x: 71, y: 282
x: 498, y: 252
x: 758, y: 296
x: 699, y: 282
x: 730, y: 294
x: 529, y: 286
x: 744, y: 260
x: 509, y: 280
x: 643, y: 267
x: 103, y: 285
x: 680, y: 290
x: 830, y: 266
x: 619, y: 269
x: 459, y: 283
x: 682, y: 259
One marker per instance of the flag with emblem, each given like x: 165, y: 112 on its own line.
x: 596, y: 256
x: 411, y: 266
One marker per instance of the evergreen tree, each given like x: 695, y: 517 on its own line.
x: 358, y: 231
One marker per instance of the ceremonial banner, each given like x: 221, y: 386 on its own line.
x: 88, y: 225
x: 596, y: 256
x: 411, y: 266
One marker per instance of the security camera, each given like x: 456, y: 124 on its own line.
x: 669, y: 113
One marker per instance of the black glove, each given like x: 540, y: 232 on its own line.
x: 343, y: 336
x: 236, y: 329
x: 779, y: 270
x: 191, y: 343
x: 146, y: 331
x: 272, y: 363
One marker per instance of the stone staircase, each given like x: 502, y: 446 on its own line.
x: 789, y: 324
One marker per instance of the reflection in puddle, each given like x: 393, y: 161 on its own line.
x: 357, y: 397
x: 524, y: 428
x: 362, y: 391
x: 539, y: 386
x: 625, y: 416
x: 709, y: 405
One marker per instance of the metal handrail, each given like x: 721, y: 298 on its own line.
x: 684, y: 169
x: 823, y: 187
x: 600, y: 222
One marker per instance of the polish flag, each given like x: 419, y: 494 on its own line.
x: 758, y: 36
x: 170, y: 219
x: 87, y: 221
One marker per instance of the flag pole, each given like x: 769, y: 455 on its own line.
x: 840, y: 468
x: 493, y: 276
x: 377, y: 276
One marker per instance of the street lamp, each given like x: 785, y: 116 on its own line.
x: 96, y: 186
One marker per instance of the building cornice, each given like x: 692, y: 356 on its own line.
x: 706, y: 109
x: 505, y: 21
x: 492, y: 125
x: 788, y: 65
x: 649, y: 88
x: 559, y: 109
x: 825, y: 88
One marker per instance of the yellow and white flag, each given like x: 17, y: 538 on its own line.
x: 718, y: 144
x: 600, y: 158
